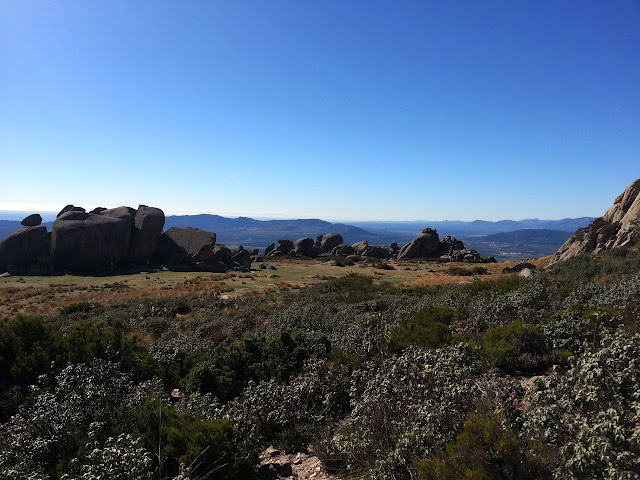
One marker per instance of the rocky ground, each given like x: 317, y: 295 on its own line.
x: 301, y: 466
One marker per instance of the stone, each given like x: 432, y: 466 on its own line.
x: 212, y: 266
x: 148, y: 223
x: 186, y: 245
x: 449, y: 243
x: 98, y: 210
x: 304, y: 247
x: 70, y: 208
x: 285, y: 246
x: 618, y: 227
x: 266, y: 266
x: 488, y: 259
x: 242, y: 257
x: 126, y: 214
x: 5, y: 275
x: 527, y: 273
x: 360, y: 247
x: 86, y: 240
x: 343, y: 249
x: 330, y: 241
x: 269, y: 249
x: 23, y: 247
x: 222, y: 253
x: 32, y: 220
x: 519, y: 267
x: 254, y: 251
x: 426, y: 245
x: 376, y: 252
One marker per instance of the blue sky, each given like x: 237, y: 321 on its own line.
x: 356, y: 110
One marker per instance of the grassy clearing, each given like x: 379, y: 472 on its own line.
x: 42, y: 295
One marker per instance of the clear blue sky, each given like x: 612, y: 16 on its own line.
x: 351, y: 110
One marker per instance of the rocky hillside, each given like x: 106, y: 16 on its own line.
x: 616, y: 228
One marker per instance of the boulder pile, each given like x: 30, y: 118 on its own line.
x: 427, y: 245
x: 126, y: 239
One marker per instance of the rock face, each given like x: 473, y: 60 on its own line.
x: 305, y: 247
x: 126, y: 214
x: 186, y: 245
x: 426, y: 245
x: 32, y: 220
x: 23, y: 248
x: 285, y: 246
x: 70, y: 208
x: 148, y: 223
x: 85, y: 240
x: 330, y: 241
x: 242, y: 257
x: 618, y: 227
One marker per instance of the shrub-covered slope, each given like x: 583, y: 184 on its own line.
x: 515, y: 378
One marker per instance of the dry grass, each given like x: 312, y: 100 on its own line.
x: 47, y: 295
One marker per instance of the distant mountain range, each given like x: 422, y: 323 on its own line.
x: 517, y: 239
x: 460, y: 229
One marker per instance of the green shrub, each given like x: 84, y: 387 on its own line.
x: 468, y: 272
x: 517, y: 347
x: 486, y: 448
x: 428, y: 327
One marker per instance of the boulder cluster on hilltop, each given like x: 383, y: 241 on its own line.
x: 126, y: 239
x: 121, y: 238
x: 618, y: 227
x: 427, y: 245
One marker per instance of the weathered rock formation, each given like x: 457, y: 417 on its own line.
x: 430, y: 245
x: 185, y: 246
x: 32, y: 220
x: 426, y: 245
x: 618, y: 227
x: 86, y: 240
x: 148, y: 223
x: 70, y: 208
x: 23, y: 249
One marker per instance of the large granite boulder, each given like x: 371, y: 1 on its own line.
x: 373, y: 251
x: 269, y: 249
x: 24, y: 247
x: 426, y: 245
x: 343, y: 249
x: 222, y: 254
x: 211, y: 266
x: 85, y: 240
x: 186, y: 245
x: 70, y: 208
x: 330, y: 241
x: 126, y: 214
x: 449, y: 243
x: 148, y: 223
x: 285, y: 246
x: 305, y: 247
x: 242, y: 257
x: 360, y: 247
x: 32, y: 220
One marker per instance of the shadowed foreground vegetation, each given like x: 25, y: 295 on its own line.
x: 506, y: 378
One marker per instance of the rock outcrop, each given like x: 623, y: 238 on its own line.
x: 70, y: 208
x: 185, y: 246
x: 85, y: 240
x: 426, y: 245
x: 148, y: 223
x: 32, y: 220
x: 618, y: 227
x: 24, y: 248
x: 330, y: 241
